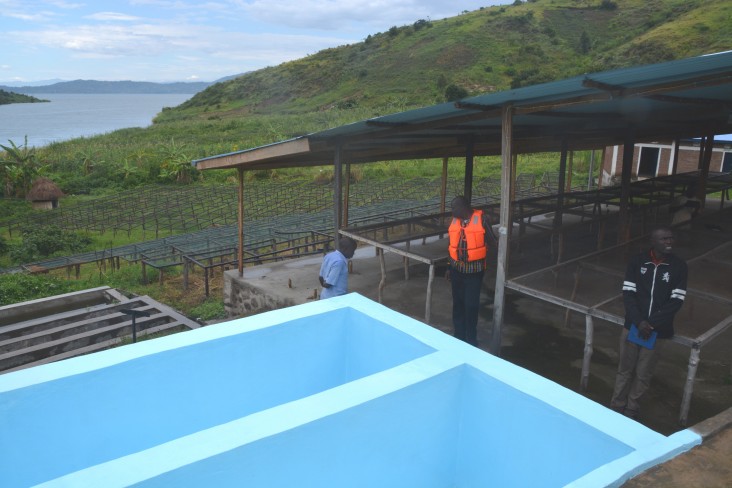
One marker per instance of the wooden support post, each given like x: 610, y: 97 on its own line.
x: 382, y: 264
x: 205, y: 280
x: 78, y: 271
x: 575, y: 289
x: 587, y: 357
x: 689, y: 386
x: 503, y: 229
x: 601, y: 234
x: 144, y: 273
x: 428, y: 303
x: 675, y: 159
x: 337, y: 194
x: 443, y: 186
x: 186, y: 266
x: 469, y: 161
x: 240, y: 245
x: 624, y: 213
x: 704, y: 162
x: 591, y: 172
x: 561, y: 184
x: 512, y: 186
x: 346, y: 194
x: 602, y: 168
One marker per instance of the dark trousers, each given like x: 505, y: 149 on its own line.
x: 465, y: 304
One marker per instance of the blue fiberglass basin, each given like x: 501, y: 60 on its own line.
x: 340, y: 392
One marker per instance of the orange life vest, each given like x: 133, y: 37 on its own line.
x: 474, y: 237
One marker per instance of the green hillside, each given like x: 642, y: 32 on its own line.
x: 420, y: 64
x: 494, y: 48
x: 7, y: 97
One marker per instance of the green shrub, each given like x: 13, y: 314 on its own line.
x: 21, y: 287
x: 44, y: 241
x: 211, y: 309
x: 454, y: 93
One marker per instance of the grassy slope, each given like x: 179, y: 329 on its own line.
x: 490, y: 49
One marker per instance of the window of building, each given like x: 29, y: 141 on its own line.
x: 727, y: 162
x: 648, y: 165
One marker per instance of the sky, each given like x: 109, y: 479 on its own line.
x: 181, y: 40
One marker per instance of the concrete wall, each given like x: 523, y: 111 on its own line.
x: 242, y: 297
x: 339, y: 392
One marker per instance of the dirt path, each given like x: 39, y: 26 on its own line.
x: 706, y: 466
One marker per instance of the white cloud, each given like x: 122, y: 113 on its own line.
x: 42, y: 16
x: 176, y: 39
x: 95, y: 40
x: 112, y: 16
x: 64, y: 5
x: 181, y: 42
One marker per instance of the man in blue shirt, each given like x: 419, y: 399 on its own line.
x: 334, y: 270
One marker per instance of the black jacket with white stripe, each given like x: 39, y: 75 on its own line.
x: 654, y: 292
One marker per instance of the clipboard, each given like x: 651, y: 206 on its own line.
x: 635, y: 338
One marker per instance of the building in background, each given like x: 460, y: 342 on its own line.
x: 654, y: 159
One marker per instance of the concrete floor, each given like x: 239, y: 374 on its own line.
x: 537, y: 335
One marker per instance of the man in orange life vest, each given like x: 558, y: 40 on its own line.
x: 469, y: 232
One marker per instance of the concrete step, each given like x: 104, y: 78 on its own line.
x: 18, y: 312
x: 43, y: 334
x: 100, y: 346
x: 87, y: 338
x: 40, y: 324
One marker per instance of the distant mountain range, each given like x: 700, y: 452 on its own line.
x: 111, y: 87
x: 13, y: 84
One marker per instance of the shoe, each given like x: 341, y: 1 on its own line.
x: 631, y: 414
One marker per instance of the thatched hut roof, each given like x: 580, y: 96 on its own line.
x: 44, y: 190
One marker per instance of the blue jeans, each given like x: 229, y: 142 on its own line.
x: 465, y: 304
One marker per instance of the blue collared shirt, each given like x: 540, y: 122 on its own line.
x: 334, y: 271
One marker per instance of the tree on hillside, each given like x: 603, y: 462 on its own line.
x: 584, y: 42
x: 454, y: 93
x: 176, y: 164
x: 19, y: 167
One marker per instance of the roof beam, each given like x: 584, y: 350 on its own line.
x: 702, y: 81
x: 703, y: 102
x: 258, y: 155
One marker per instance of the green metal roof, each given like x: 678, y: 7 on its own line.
x: 678, y: 99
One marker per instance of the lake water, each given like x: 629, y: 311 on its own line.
x: 67, y: 116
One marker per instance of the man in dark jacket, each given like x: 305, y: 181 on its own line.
x: 653, y: 291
